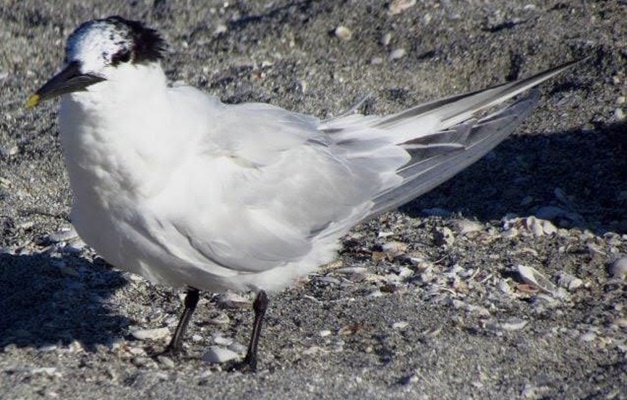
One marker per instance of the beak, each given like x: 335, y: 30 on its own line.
x: 67, y: 81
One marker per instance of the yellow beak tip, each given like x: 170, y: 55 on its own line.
x: 32, y: 101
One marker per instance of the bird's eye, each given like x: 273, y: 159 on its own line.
x: 121, y: 57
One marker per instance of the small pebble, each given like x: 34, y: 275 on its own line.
x: 443, y: 236
x: 548, y: 228
x: 197, y: 338
x: 587, y: 337
x: 386, y: 39
x: 510, y: 233
x: 48, y: 348
x: 479, y: 310
x: 405, y: 272
x: 329, y: 280
x: 220, y: 29
x: 532, y: 277
x: 62, y: 235
x: 621, y: 322
x: 568, y: 281
x: 314, y: 350
x: 222, y: 341
x: 409, y: 379
x: 9, y: 152
x: 504, y: 287
x: 324, y: 333
x: 219, y: 355
x: 465, y: 226
x: 343, y: 33
x: 26, y: 225
x: 338, y: 346
x: 165, y: 361
x: 75, y: 245
x: 514, y: 324
x: 232, y: 300
x: 50, y: 371
x: 77, y: 347
x: 400, y: 325
x: 398, y: 6
x: 237, y: 347
x: 534, y: 226
x: 394, y: 248
x: 136, y: 351
x: 397, y: 54
x: 433, y: 332
x: 151, y: 334
x: 221, y: 319
x: 618, y: 268
x: 542, y: 300
x: 141, y: 361
x: 376, y: 61
x: 534, y: 392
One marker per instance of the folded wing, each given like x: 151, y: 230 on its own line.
x: 291, y: 182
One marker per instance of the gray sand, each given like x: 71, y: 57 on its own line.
x: 409, y: 312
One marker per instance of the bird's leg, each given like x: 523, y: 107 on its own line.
x: 259, y: 306
x: 191, y: 300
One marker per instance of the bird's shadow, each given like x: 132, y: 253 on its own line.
x: 574, y: 178
x: 48, y: 300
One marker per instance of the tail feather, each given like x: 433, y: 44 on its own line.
x: 420, y: 148
x: 423, y: 174
x: 441, y: 114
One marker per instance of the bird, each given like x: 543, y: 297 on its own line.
x: 172, y: 184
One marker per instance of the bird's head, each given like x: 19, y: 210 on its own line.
x: 95, y: 50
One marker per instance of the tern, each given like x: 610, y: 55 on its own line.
x: 172, y: 184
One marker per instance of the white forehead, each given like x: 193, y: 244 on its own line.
x: 94, y: 43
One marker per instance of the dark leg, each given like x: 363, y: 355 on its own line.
x: 191, y: 300
x: 259, y: 306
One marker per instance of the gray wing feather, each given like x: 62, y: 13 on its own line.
x: 292, y: 183
x: 442, y: 137
x: 426, y: 171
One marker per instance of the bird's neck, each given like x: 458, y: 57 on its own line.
x: 128, y: 90
x: 115, y: 136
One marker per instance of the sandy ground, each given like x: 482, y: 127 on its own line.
x: 427, y: 302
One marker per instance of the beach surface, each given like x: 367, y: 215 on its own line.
x: 507, y: 282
